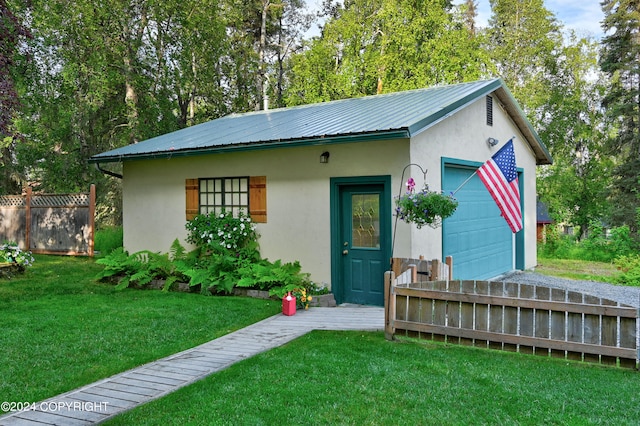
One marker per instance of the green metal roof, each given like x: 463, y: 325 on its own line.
x: 393, y: 115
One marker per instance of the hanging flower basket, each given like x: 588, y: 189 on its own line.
x: 424, y: 207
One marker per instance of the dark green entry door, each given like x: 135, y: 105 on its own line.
x: 363, y: 241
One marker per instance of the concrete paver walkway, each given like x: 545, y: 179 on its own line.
x: 101, y: 400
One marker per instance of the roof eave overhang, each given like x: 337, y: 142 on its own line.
x: 254, y: 146
x: 454, y: 107
x: 498, y: 87
x: 517, y: 115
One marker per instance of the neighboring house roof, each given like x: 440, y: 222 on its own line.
x: 386, y: 116
x: 542, y: 213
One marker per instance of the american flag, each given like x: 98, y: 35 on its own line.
x: 500, y: 176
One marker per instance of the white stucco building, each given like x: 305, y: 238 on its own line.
x: 269, y: 162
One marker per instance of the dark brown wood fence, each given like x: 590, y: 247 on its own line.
x: 516, y: 317
x: 49, y: 223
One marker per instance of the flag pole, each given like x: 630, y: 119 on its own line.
x: 465, y: 182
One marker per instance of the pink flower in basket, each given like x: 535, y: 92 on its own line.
x: 411, y: 185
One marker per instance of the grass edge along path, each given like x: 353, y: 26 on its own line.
x: 360, y: 378
x: 62, y: 330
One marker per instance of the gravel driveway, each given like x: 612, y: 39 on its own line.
x: 625, y: 295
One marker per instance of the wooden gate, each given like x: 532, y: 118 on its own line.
x: 49, y: 223
x: 516, y: 317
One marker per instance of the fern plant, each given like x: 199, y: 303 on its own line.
x: 117, y: 263
x: 177, y: 251
x: 139, y: 268
x: 215, y: 272
x: 267, y: 276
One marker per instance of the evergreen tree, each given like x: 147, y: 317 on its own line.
x: 621, y: 61
x: 470, y: 13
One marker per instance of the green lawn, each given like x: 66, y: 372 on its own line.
x: 577, y: 269
x: 61, y: 329
x: 354, y: 378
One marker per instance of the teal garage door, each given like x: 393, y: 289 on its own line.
x: 477, y: 237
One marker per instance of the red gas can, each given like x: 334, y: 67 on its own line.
x: 289, y: 304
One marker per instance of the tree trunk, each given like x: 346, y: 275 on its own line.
x: 261, y: 86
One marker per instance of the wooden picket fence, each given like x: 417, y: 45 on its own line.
x: 49, y: 223
x: 515, y: 317
x: 418, y: 270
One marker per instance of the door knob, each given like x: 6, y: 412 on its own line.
x: 345, y: 251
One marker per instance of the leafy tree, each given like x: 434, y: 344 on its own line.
x: 523, y: 39
x: 572, y: 124
x: 378, y: 46
x: 292, y: 24
x: 11, y: 33
x: 108, y: 74
x: 186, y: 55
x: 555, y: 77
x: 104, y: 75
x: 620, y: 60
x: 262, y: 33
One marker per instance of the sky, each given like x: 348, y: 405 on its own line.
x: 583, y: 16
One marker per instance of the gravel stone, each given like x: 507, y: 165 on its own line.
x: 625, y: 295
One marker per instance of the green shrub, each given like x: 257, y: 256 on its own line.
x: 596, y: 247
x: 11, y: 253
x: 630, y: 267
x: 225, y: 234
x: 108, y: 239
x: 559, y: 246
x: 281, y: 279
x: 621, y: 241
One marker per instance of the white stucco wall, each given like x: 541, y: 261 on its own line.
x: 298, y: 196
x: 465, y: 138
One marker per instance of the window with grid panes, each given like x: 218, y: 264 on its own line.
x: 224, y: 194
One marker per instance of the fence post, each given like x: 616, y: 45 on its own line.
x: 638, y: 336
x: 27, y: 218
x: 395, y: 266
x: 389, y: 305
x: 92, y: 218
x: 435, y: 270
x: 449, y: 261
